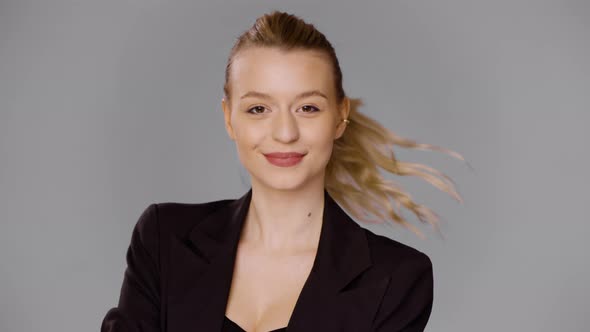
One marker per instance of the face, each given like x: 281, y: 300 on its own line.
x: 283, y: 101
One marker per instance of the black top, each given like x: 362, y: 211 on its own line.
x: 231, y: 326
x: 181, y: 259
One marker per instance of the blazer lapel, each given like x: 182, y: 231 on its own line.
x: 202, y: 267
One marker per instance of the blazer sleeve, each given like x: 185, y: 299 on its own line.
x: 138, y: 307
x: 407, y: 303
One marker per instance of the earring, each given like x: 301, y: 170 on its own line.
x: 346, y: 120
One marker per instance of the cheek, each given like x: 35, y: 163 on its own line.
x: 320, y: 141
x: 248, y: 136
x: 321, y: 133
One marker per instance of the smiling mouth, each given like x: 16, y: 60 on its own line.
x: 284, y: 155
x: 284, y: 159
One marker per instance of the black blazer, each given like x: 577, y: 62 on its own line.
x: 180, y: 264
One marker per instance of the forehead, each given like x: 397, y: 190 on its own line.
x: 272, y: 70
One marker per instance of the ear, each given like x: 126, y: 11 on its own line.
x: 227, y: 117
x: 343, y: 112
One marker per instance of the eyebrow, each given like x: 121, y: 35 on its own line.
x: 299, y: 96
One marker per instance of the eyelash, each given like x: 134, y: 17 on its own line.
x: 315, y: 111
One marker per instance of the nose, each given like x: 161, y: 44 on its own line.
x: 285, y: 128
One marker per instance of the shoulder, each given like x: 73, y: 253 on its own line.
x: 397, y: 259
x: 173, y: 217
x: 407, y: 302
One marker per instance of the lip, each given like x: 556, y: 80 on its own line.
x: 284, y: 159
x: 284, y: 154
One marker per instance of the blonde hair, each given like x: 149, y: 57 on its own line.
x: 352, y: 175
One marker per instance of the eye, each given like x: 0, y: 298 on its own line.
x: 309, y: 109
x: 256, y: 108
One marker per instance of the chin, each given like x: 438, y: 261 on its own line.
x: 287, y: 181
x: 283, y: 178
x: 282, y: 184
x: 277, y: 180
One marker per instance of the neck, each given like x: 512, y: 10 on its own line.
x: 284, y: 220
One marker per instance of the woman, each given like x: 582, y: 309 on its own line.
x: 285, y: 256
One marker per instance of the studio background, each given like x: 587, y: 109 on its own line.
x: 108, y: 106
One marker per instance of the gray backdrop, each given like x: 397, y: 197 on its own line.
x: 108, y: 106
